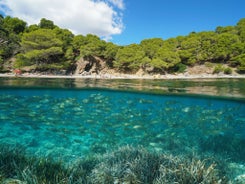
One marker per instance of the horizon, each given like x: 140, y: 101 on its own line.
x: 123, y: 22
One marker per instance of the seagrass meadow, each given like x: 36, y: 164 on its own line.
x: 72, y: 131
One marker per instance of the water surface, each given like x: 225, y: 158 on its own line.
x: 212, y: 87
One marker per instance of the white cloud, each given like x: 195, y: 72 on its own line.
x: 118, y: 3
x: 100, y: 17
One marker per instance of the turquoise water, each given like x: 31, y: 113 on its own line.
x: 70, y: 123
x: 70, y: 119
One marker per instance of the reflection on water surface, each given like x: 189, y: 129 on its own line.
x: 213, y: 87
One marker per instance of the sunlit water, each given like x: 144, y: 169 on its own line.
x: 69, y: 123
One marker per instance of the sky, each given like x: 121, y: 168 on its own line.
x: 125, y: 22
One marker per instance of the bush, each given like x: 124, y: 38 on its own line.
x: 241, y: 69
x: 209, y: 64
x: 240, y: 62
x: 1, y: 63
x: 228, y: 71
x: 22, y: 61
x: 179, y: 68
x: 218, y: 69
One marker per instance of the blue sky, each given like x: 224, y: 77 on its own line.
x: 170, y: 18
x: 130, y: 21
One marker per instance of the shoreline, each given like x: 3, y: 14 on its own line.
x: 128, y: 76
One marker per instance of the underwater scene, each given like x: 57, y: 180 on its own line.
x: 97, y: 134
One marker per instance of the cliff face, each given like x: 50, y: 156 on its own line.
x: 91, y: 65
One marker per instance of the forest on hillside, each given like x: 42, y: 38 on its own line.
x: 47, y: 47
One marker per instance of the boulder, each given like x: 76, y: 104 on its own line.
x: 90, y: 65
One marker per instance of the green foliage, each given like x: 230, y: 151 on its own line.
x: 40, y: 46
x: 69, y: 55
x: 21, y: 61
x: 43, y: 55
x: 172, y: 43
x: 31, y: 28
x: 228, y: 71
x: 14, y: 25
x: 129, y: 58
x: 10, y: 28
x: 93, y: 46
x: 47, y: 44
x: 189, y: 49
x: 65, y: 36
x: 40, y: 39
x: 110, y: 51
x: 180, y: 68
x: 1, y: 63
x: 166, y: 59
x: 78, y: 41
x: 46, y: 24
x: 206, y: 49
x: 240, y: 61
x: 241, y: 29
x: 218, y: 68
x: 58, y: 68
x: 227, y: 29
x: 209, y: 64
x: 158, y: 64
x: 224, y: 46
x: 86, y: 46
x: 151, y: 46
x: 241, y: 69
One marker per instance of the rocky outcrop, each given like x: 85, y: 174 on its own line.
x: 90, y: 65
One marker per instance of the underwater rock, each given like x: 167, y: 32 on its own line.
x: 240, y: 179
x: 238, y: 172
x: 186, y: 109
x: 137, y: 126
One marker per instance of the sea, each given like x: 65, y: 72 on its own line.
x: 69, y: 119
